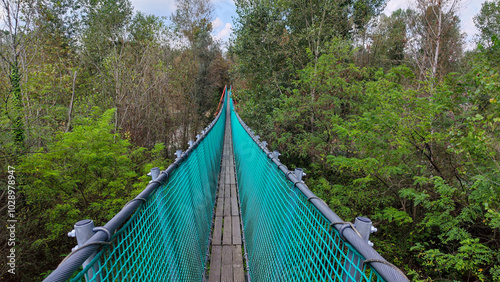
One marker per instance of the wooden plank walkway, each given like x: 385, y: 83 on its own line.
x: 226, y: 259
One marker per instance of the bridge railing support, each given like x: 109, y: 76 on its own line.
x: 102, y: 235
x: 155, y: 172
x: 364, y: 227
x: 84, y: 230
x: 359, y: 245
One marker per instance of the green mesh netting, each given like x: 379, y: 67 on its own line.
x: 287, y: 238
x: 167, y: 237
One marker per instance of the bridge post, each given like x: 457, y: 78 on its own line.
x: 84, y: 229
x: 299, y: 172
x: 364, y: 227
x: 276, y: 154
x: 178, y: 153
x: 155, y: 172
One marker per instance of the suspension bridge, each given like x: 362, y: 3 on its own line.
x: 226, y: 210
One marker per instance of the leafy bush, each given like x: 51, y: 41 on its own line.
x: 85, y: 173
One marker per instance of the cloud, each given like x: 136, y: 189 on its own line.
x: 393, y: 5
x: 467, y: 10
x: 154, y: 7
x: 225, y: 32
x: 222, y: 34
x: 228, y: 2
x: 217, y: 23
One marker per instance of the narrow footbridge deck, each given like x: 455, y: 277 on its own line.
x: 225, y: 210
x: 226, y: 259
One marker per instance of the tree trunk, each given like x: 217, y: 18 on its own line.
x: 438, y: 40
x: 71, y: 103
x: 17, y: 120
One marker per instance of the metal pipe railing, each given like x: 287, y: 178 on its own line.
x: 102, y: 235
x: 385, y: 269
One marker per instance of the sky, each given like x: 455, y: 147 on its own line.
x: 222, y: 24
x: 225, y: 11
x: 467, y: 10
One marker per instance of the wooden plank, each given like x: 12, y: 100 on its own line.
x: 227, y: 236
x: 219, y: 211
x: 215, y: 264
x: 236, y: 230
x: 233, y: 192
x: 227, y: 264
x: 227, y: 177
x: 221, y: 181
x: 217, y: 235
x: 227, y: 190
x: 238, y: 273
x: 234, y: 206
x: 222, y: 191
x: 227, y: 206
x: 230, y: 179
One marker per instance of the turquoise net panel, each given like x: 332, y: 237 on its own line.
x: 287, y: 238
x: 167, y: 238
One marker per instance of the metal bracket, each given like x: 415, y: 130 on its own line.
x: 178, y: 153
x: 299, y: 173
x: 365, y: 228
x: 154, y: 173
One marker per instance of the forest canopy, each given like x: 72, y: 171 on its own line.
x: 93, y: 96
x: 390, y: 116
x: 394, y: 117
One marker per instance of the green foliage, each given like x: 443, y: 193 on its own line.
x: 17, y: 121
x: 488, y: 21
x: 389, y: 41
x: 84, y: 169
x: 193, y: 18
x: 146, y: 28
x: 103, y: 22
x: 75, y: 157
x: 85, y: 173
x: 278, y: 39
x: 420, y: 158
x: 391, y: 214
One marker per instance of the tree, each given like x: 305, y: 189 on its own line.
x: 388, y: 38
x: 81, y: 81
x: 192, y: 18
x: 276, y: 39
x: 17, y: 31
x: 488, y: 22
x: 435, y: 41
x: 103, y: 29
x: 193, y: 23
x: 62, y: 18
x: 89, y: 172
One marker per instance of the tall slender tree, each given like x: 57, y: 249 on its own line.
x: 436, y: 41
x: 193, y: 24
x: 17, y: 30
